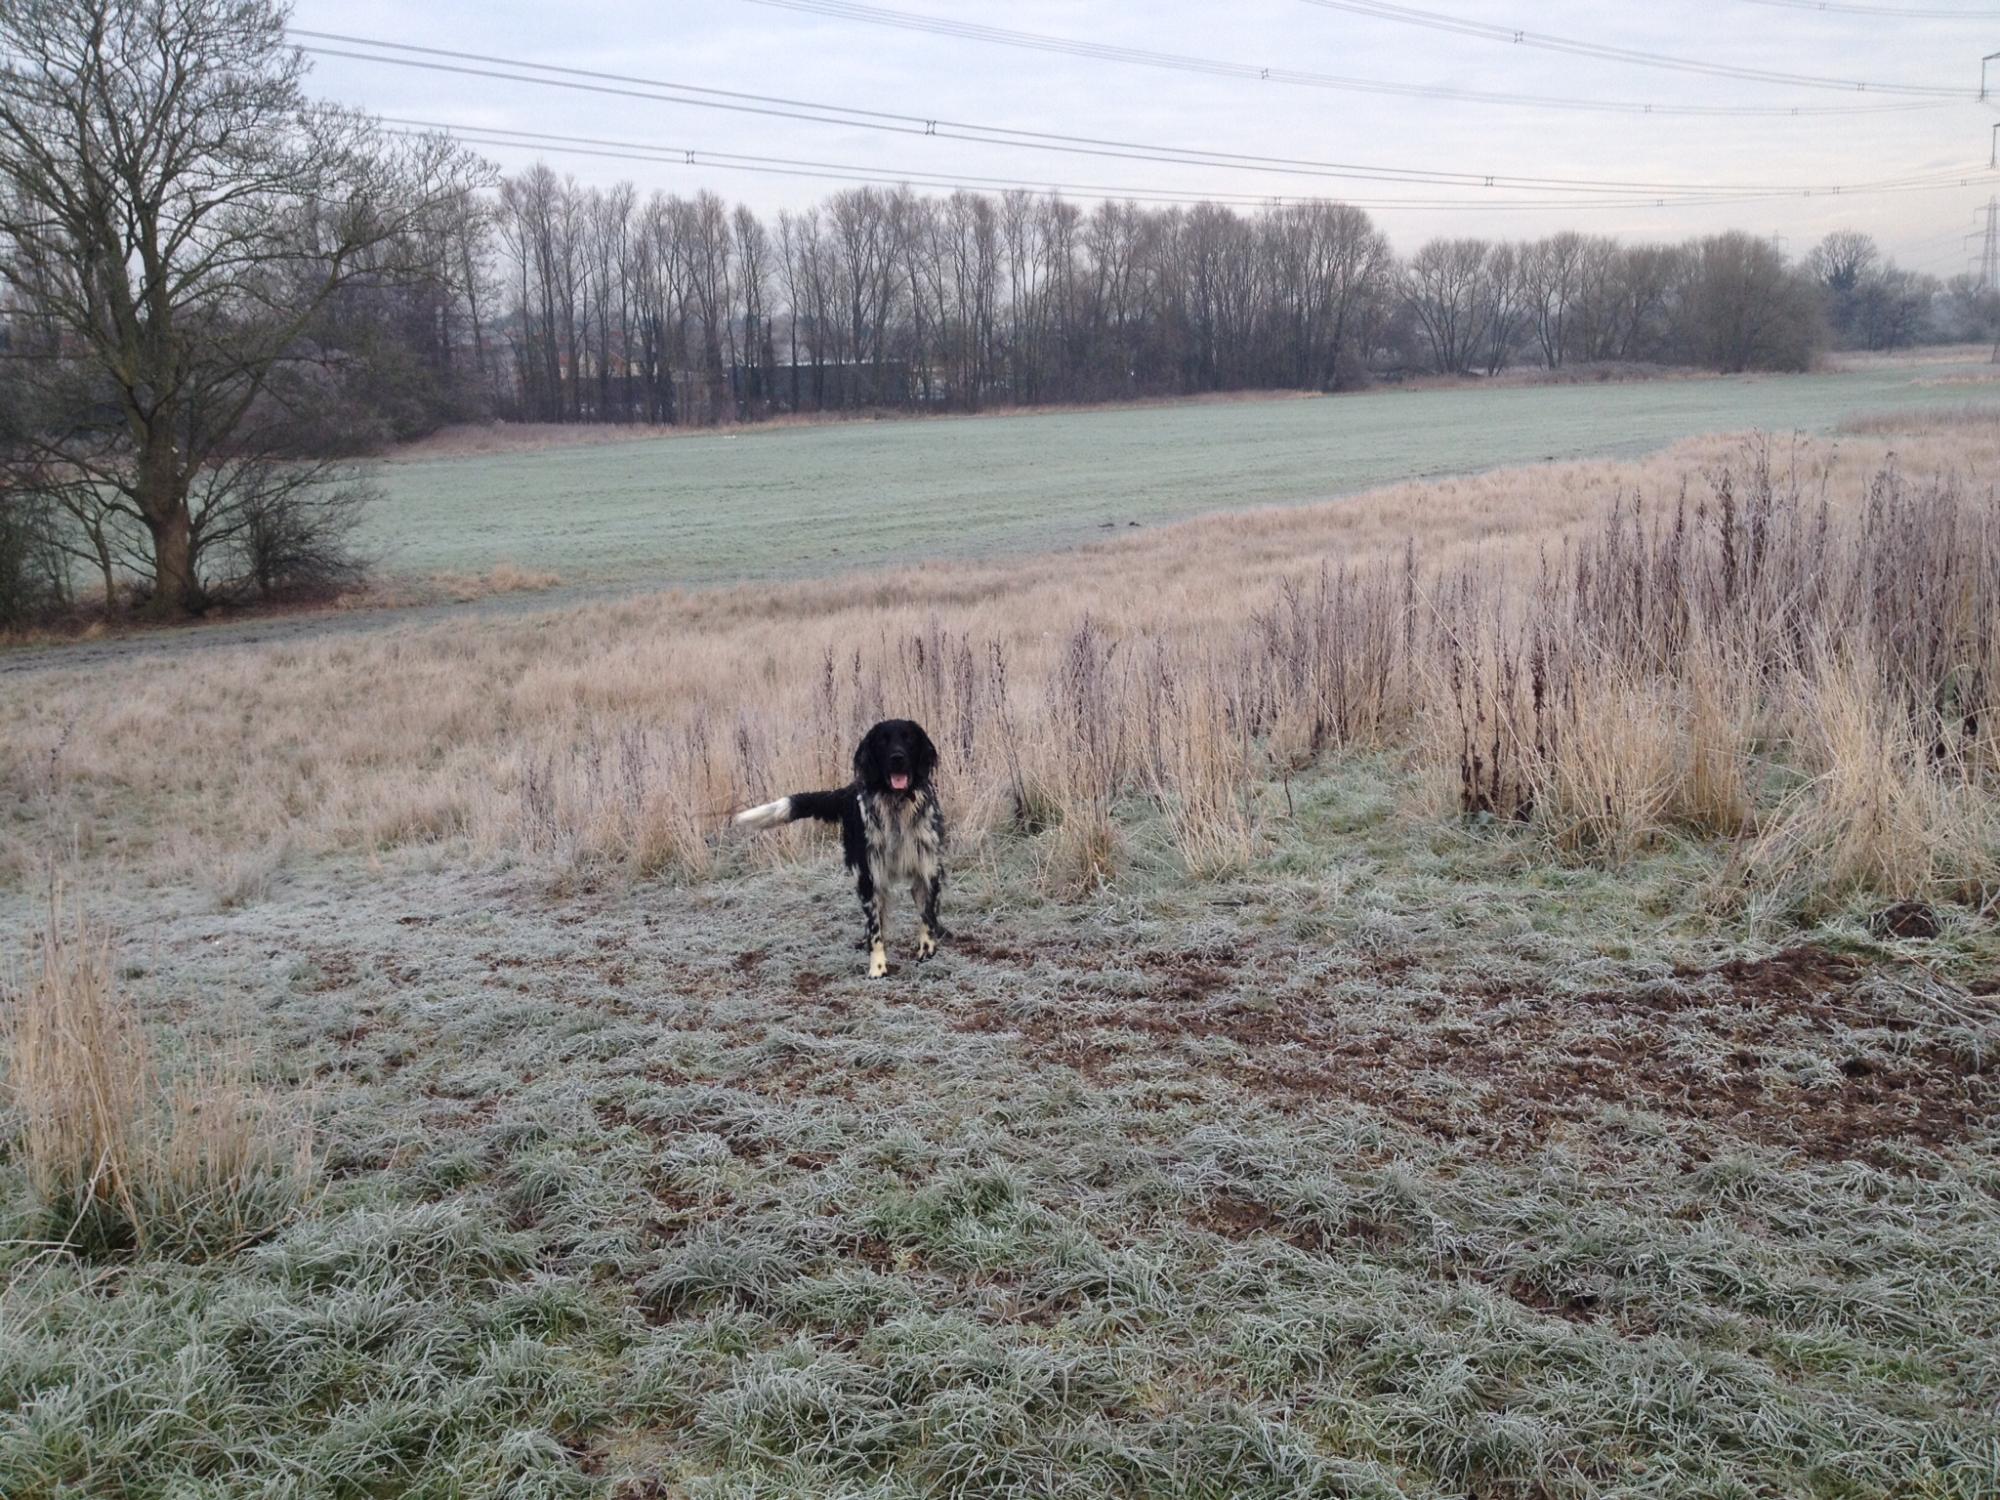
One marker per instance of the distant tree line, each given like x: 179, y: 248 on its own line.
x: 565, y: 303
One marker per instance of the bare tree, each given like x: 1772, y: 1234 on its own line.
x: 1444, y: 285
x: 753, y: 279
x: 1328, y: 264
x: 1642, y: 296
x: 541, y: 228
x: 1842, y: 264
x: 864, y: 245
x: 968, y: 247
x: 1506, y: 304
x: 1550, y: 270
x: 655, y: 307
x: 172, y: 201
x: 1593, y: 318
x: 609, y: 230
x: 703, y: 229
x: 791, y: 270
x: 1112, y: 243
x: 1891, y: 308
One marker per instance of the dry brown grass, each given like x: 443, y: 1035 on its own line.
x: 1972, y: 417
x: 1884, y: 809
x: 1650, y: 676
x: 118, y: 1154
x: 1550, y: 642
x: 1203, y: 762
x: 394, y: 591
x: 501, y: 578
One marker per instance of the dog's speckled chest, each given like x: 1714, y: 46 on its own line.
x: 905, y: 835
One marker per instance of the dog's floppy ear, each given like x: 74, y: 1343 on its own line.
x: 868, y: 758
x: 923, y: 752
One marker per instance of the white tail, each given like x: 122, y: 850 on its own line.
x: 768, y: 815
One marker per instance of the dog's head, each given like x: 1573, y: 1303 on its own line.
x: 895, y: 756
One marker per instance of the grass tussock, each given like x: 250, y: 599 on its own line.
x: 501, y: 578
x: 119, y: 1155
x: 1202, y: 765
x: 1887, y: 807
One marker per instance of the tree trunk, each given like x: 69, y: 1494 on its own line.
x: 174, y: 590
x: 101, y: 545
x: 163, y: 502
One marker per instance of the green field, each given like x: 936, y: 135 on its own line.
x: 798, y: 502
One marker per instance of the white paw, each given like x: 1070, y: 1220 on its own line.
x: 926, y: 945
x: 878, y: 961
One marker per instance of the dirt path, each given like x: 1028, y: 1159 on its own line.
x: 175, y: 641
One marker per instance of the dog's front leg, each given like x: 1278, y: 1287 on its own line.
x: 873, y: 916
x: 926, y: 893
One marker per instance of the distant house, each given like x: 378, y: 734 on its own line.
x: 804, y: 386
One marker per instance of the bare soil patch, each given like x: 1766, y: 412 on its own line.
x: 1787, y: 1051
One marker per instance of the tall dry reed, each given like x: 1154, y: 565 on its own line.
x: 1654, y: 672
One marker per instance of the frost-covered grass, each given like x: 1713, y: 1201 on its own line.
x: 801, y: 502
x: 1401, y: 1162
x: 1539, y: 1043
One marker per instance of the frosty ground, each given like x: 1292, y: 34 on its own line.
x: 1406, y: 1165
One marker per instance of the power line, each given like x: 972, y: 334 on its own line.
x: 642, y: 151
x: 449, y: 60
x: 659, y: 154
x: 1898, y: 12
x: 874, y: 15
x: 884, y: 177
x: 1950, y: 235
x: 1382, y: 10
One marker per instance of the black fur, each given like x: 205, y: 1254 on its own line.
x: 886, y: 832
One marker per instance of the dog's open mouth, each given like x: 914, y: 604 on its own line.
x: 899, y: 780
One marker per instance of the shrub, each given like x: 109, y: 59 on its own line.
x: 34, y: 572
x: 289, y: 530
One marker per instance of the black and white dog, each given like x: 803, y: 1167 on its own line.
x: 891, y: 829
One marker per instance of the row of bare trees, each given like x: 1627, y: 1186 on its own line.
x: 558, y: 302
x: 665, y: 309
x: 673, y: 308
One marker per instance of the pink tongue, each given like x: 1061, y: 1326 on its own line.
x: 899, y: 781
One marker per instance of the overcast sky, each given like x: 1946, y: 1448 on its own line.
x: 758, y: 48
